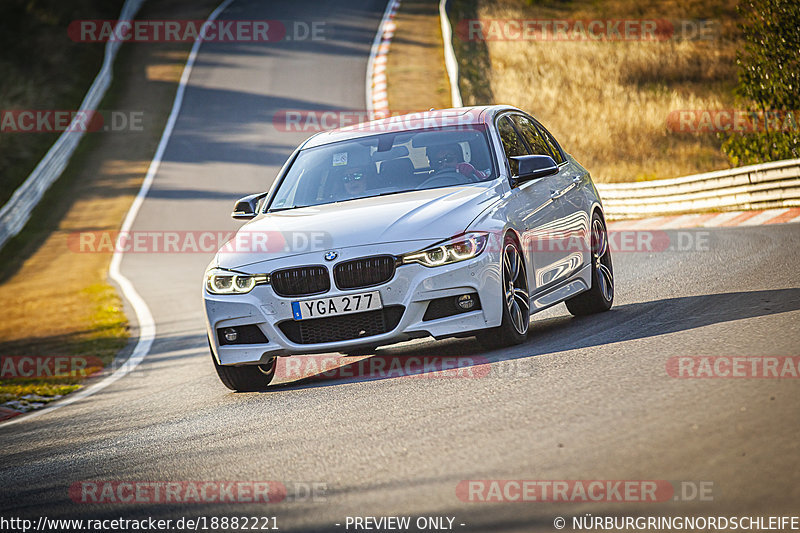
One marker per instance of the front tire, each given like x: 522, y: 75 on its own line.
x: 516, y: 303
x: 600, y: 296
x: 249, y: 378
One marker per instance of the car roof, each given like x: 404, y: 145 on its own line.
x: 459, y: 116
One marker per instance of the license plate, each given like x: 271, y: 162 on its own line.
x: 337, y: 305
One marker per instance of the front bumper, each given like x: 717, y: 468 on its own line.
x: 412, y: 288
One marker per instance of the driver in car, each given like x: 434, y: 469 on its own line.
x: 449, y: 157
x: 355, y: 181
x: 350, y: 174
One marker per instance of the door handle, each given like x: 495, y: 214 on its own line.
x: 558, y: 194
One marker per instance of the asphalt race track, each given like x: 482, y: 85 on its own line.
x: 583, y: 399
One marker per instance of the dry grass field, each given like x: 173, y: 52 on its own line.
x: 608, y: 101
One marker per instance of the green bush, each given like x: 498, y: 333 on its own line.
x: 769, y: 80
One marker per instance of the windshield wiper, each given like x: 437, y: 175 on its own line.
x: 276, y: 209
x: 387, y: 193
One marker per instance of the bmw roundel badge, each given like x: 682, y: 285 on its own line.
x: 330, y: 256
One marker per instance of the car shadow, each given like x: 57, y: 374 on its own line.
x: 465, y: 358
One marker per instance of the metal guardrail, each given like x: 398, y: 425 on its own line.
x: 769, y: 185
x: 450, y: 61
x: 16, y: 212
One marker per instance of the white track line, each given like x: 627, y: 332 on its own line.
x: 147, y: 326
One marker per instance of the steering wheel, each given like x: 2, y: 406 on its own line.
x: 442, y: 178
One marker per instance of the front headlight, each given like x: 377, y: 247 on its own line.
x: 457, y: 249
x: 221, y: 281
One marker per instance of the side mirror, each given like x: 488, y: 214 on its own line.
x: 247, y: 207
x: 532, y: 167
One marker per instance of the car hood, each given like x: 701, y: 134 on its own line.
x: 431, y: 214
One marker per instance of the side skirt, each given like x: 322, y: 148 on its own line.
x: 580, y: 282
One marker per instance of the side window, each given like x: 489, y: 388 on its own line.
x: 512, y: 144
x: 532, y: 136
x: 554, y: 146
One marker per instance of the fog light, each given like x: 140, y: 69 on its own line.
x: 466, y: 301
x: 231, y: 335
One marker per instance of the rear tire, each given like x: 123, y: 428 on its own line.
x: 248, y: 378
x: 516, y: 304
x: 600, y: 296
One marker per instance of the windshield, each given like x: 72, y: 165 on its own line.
x: 388, y: 163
